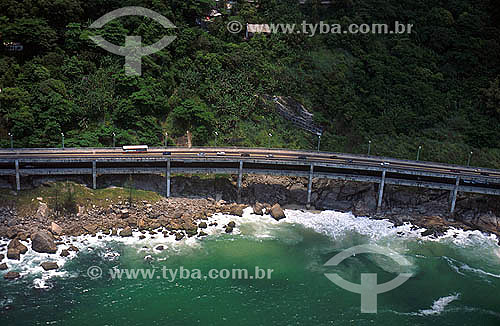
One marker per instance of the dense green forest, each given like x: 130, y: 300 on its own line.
x: 438, y: 87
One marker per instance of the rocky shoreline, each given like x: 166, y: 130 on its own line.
x: 182, y: 217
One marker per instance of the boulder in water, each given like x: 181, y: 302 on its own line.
x: 277, y: 212
x: 43, y: 241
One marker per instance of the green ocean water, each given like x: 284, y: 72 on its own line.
x: 456, y: 280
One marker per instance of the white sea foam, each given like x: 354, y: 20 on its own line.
x: 438, y: 306
x: 335, y: 225
x: 461, y: 268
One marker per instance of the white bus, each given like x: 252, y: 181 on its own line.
x: 135, y: 149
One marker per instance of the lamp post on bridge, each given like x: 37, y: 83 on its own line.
x: 270, y: 135
x: 62, y: 135
x: 216, y: 134
x: 166, y: 139
x: 11, y: 141
x: 468, y: 160
x: 369, y: 147
x: 319, y: 140
x: 114, y: 140
x: 418, y: 152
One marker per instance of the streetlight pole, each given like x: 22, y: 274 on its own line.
x: 166, y: 139
x: 319, y: 141
x: 11, y: 141
x: 468, y: 161
x: 216, y: 134
x: 369, y: 147
x: 114, y: 140
x: 418, y: 152
x: 62, y: 134
x: 270, y: 135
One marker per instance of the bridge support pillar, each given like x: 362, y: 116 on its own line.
x: 18, y: 177
x: 309, y: 186
x: 168, y: 178
x: 454, y: 193
x: 381, y: 191
x: 240, y: 177
x: 94, y: 175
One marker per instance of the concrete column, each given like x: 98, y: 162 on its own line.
x: 454, y: 195
x: 240, y: 177
x: 381, y: 190
x: 168, y: 178
x: 94, y: 175
x: 18, y: 177
x: 309, y: 185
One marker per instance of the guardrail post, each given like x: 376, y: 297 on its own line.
x: 94, y: 175
x: 18, y: 177
x: 240, y: 176
x: 309, y: 185
x: 168, y: 178
x: 381, y: 191
x: 454, y: 195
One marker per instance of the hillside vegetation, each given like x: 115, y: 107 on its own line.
x: 437, y: 87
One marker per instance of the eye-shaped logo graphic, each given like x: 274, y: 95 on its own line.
x: 132, y: 51
x: 368, y: 287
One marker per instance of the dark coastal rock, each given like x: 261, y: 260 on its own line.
x: 179, y: 236
x: 56, y: 229
x: 11, y: 275
x: 3, y: 266
x: 13, y: 254
x: 73, y: 248
x: 258, y: 209
x: 277, y: 212
x: 160, y: 248
x: 2, y: 257
x: 203, y: 225
x: 236, y: 210
x: 114, y: 232
x: 126, y: 232
x: 16, y: 244
x: 65, y: 253
x: 231, y: 224
x: 229, y: 229
x: 124, y: 213
x: 49, y: 265
x: 43, y: 242
x: 12, y: 233
x: 202, y: 234
x: 142, y: 237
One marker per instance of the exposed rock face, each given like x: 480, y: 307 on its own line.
x: 229, y: 229
x: 232, y: 224
x: 43, y: 241
x: 11, y: 275
x: 42, y: 212
x: 277, y: 212
x: 56, y: 229
x: 3, y: 267
x: 16, y: 244
x: 258, y: 209
x: 236, y: 210
x: 49, y: 265
x: 13, y: 254
x: 179, y: 236
x: 65, y: 253
x: 126, y: 232
x: 203, y: 225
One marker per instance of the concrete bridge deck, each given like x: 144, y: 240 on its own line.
x: 19, y: 163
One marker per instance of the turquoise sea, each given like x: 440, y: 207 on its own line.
x: 456, y: 278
